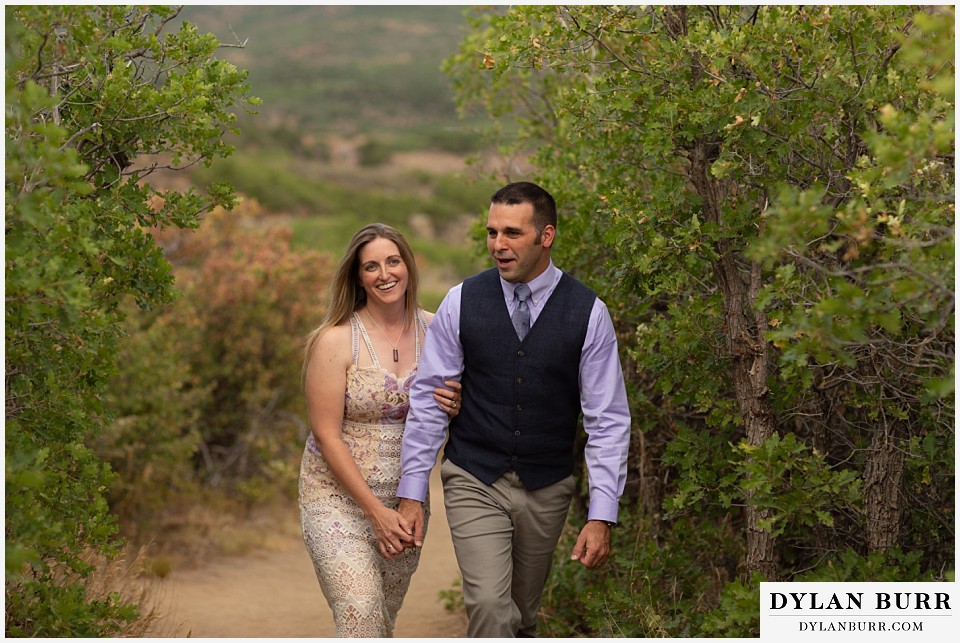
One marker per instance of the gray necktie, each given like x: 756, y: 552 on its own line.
x: 521, y: 314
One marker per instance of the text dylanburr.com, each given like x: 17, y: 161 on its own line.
x: 851, y: 611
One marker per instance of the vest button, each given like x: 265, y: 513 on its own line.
x: 516, y: 433
x: 514, y: 458
x: 519, y: 353
x: 519, y: 380
x: 518, y: 408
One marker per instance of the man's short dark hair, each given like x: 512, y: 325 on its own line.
x: 544, y: 207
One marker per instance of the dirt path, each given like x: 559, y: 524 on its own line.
x: 273, y: 592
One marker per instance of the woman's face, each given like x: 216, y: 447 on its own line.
x: 383, y: 273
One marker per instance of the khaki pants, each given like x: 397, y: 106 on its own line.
x: 504, y: 537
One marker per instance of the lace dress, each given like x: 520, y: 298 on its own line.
x: 364, y: 589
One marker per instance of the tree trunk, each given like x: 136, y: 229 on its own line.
x: 745, y: 347
x: 882, y: 482
x: 748, y: 370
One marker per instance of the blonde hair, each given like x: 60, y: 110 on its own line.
x: 346, y: 293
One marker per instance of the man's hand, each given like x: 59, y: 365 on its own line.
x: 593, y: 545
x: 412, y: 511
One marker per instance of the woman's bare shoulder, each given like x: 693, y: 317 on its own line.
x: 334, y: 343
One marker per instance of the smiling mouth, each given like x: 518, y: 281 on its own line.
x: 388, y: 286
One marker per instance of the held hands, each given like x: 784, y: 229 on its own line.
x: 394, y: 532
x: 412, y: 512
x: 593, y: 544
x: 449, y: 398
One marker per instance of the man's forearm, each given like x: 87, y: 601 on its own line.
x: 606, y: 417
x: 426, y: 425
x: 422, y: 438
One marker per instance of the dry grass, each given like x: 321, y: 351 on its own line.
x: 127, y: 576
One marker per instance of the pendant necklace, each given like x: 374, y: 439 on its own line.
x: 396, y: 354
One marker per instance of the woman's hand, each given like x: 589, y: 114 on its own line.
x: 449, y: 398
x: 394, y: 533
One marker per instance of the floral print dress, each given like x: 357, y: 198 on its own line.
x: 364, y: 589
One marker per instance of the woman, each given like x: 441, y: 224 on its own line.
x: 357, y: 371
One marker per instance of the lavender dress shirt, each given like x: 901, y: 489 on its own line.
x: 603, y: 398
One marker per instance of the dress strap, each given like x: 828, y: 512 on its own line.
x: 355, y: 335
x: 423, y: 326
x: 366, y: 340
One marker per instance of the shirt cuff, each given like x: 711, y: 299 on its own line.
x: 603, y: 509
x: 413, y: 488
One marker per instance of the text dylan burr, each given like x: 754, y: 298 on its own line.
x: 855, y: 601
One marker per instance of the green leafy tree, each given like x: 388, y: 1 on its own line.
x: 91, y: 91
x: 765, y: 196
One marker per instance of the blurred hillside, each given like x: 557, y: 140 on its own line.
x: 343, y: 69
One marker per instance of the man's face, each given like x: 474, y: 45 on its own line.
x: 512, y: 242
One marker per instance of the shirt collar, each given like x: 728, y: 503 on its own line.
x: 540, y: 286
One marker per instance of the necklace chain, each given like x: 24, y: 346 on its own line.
x: 403, y: 329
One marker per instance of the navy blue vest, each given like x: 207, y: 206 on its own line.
x: 521, y: 400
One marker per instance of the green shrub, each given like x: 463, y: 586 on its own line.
x: 207, y: 400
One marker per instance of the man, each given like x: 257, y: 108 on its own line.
x: 530, y: 363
